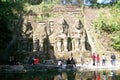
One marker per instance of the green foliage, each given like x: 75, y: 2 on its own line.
x: 38, y: 18
x: 46, y: 8
x: 8, y: 13
x: 117, y: 6
x: 116, y: 44
x: 110, y: 23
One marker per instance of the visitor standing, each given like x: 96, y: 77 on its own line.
x: 103, y: 59
x: 59, y: 63
x: 36, y: 60
x: 93, y: 58
x: 73, y: 62
x: 113, y: 57
x: 98, y: 60
x: 68, y: 61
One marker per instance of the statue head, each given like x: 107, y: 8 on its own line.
x: 62, y: 21
x: 78, y: 24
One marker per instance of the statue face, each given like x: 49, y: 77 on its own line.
x: 62, y: 26
x: 77, y: 24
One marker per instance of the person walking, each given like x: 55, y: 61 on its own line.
x: 93, y: 58
x: 103, y: 59
x: 113, y: 57
x: 98, y: 60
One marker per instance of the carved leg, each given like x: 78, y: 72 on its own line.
x: 41, y: 45
x: 83, y: 43
x: 59, y: 44
x: 34, y: 45
x: 77, y: 44
x: 65, y: 45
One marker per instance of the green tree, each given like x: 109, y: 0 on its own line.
x: 9, y: 12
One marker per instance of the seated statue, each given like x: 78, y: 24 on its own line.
x: 62, y: 36
x: 76, y: 35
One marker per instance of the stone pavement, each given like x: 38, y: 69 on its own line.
x: 108, y: 66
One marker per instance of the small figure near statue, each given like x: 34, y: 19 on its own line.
x: 70, y: 63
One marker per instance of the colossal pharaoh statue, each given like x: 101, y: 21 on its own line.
x: 62, y: 36
x: 76, y: 34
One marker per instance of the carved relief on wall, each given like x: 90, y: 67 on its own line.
x: 65, y: 37
x: 58, y: 34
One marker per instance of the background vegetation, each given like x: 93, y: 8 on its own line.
x: 110, y: 23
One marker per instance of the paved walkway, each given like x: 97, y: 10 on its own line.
x: 108, y: 66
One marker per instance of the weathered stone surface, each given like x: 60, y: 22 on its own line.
x: 59, y: 35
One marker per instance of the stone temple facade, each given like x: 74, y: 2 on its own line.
x: 59, y: 39
x: 62, y: 36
